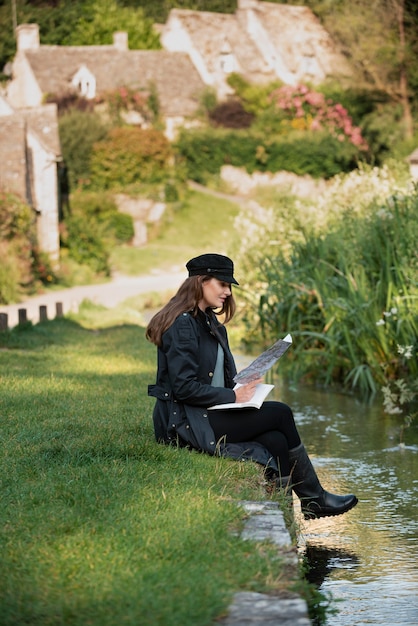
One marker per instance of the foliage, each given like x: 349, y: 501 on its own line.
x: 158, y: 10
x: 230, y: 114
x: 130, y: 155
x: 70, y: 101
x: 106, y: 17
x: 303, y: 108
x: 22, y: 267
x: 381, y: 43
x: 101, y: 208
x: 93, y: 228
x: 124, y: 100
x: 400, y: 396
x: 346, y: 286
x: 85, y: 242
x: 316, y: 153
x: 77, y: 22
x: 79, y: 131
x: 255, y: 98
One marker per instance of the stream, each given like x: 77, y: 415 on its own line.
x: 366, y: 561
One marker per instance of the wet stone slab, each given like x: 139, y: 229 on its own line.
x: 266, y: 523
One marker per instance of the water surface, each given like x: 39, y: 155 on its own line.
x: 367, y: 559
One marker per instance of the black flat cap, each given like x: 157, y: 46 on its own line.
x: 216, y: 265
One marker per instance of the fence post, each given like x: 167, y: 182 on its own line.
x: 4, y: 321
x: 59, y: 309
x: 22, y: 316
x: 43, y: 316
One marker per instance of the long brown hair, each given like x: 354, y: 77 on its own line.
x: 185, y: 300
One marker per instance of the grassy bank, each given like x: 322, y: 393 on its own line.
x: 99, y: 524
x: 201, y: 223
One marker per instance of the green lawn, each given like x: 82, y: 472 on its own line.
x: 99, y: 524
x: 201, y: 224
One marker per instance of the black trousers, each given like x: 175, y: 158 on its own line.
x: 272, y: 425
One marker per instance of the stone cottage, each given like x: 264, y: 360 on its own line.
x: 29, y: 158
x: 262, y: 41
x: 42, y: 70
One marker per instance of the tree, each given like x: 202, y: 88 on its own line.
x: 380, y: 40
x: 105, y: 17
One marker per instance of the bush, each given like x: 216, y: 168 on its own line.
x: 79, y: 131
x: 231, y: 114
x: 86, y: 243
x: 130, y: 155
x: 93, y: 228
x: 100, y: 207
x: 319, y: 154
x: 19, y: 261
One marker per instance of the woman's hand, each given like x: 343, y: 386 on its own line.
x: 246, y: 392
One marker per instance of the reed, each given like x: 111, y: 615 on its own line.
x: 347, y: 291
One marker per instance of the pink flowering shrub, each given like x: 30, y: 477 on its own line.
x: 304, y: 109
x: 127, y: 99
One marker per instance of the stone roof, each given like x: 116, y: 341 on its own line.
x: 177, y: 82
x: 268, y: 41
x: 413, y: 157
x: 44, y: 122
x: 210, y: 32
x: 296, y: 32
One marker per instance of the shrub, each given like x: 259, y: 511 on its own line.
x: 70, y: 101
x: 79, y: 131
x: 93, y: 228
x: 125, y: 99
x: 231, y: 114
x: 318, y: 154
x: 130, y: 155
x: 305, y: 109
x: 17, y: 248
x: 86, y: 243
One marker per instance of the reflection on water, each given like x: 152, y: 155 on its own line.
x: 366, y: 559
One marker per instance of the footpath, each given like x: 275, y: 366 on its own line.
x: 106, y: 294
x: 265, y: 520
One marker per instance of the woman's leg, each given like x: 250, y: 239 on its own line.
x: 272, y: 425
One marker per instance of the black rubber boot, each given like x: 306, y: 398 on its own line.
x: 315, y: 501
x: 283, y: 484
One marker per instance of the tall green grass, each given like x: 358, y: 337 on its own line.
x: 99, y: 524
x: 347, y: 290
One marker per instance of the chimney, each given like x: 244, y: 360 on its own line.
x: 27, y: 36
x: 120, y: 41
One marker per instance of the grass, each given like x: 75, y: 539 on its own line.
x: 99, y: 524
x: 200, y: 224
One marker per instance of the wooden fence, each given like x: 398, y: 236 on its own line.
x: 23, y: 315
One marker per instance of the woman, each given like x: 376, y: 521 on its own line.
x: 195, y: 371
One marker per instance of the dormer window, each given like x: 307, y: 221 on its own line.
x: 85, y: 83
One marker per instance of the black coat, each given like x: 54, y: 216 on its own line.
x: 186, y: 362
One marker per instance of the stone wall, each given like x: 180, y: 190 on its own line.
x: 144, y: 213
x: 242, y: 183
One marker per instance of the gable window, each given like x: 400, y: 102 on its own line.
x: 85, y: 83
